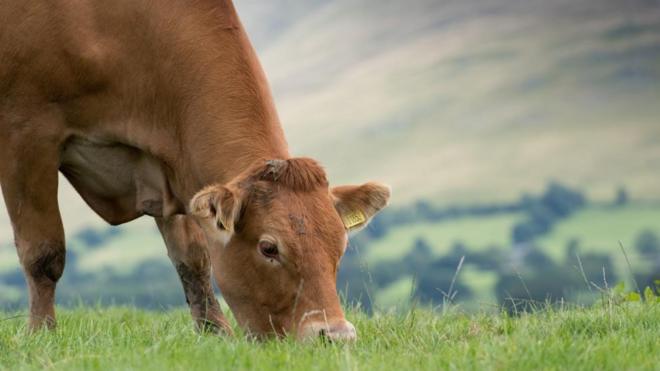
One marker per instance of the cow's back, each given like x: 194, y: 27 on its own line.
x: 61, y: 51
x: 172, y: 79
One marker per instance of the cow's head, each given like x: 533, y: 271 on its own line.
x: 277, y: 234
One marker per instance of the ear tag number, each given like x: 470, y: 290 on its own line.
x: 353, y: 218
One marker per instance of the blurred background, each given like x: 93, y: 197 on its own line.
x: 521, y: 138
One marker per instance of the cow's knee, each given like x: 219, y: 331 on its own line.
x: 44, y: 264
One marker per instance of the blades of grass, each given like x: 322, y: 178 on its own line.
x: 453, y: 280
x: 529, y: 294
x: 632, y: 274
x: 584, y: 275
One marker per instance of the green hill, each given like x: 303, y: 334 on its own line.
x: 468, y: 100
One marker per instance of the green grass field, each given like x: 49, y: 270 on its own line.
x: 476, y: 232
x: 615, y: 337
x: 598, y: 229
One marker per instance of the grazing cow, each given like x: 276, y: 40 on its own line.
x: 161, y: 108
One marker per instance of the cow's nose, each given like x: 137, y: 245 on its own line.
x: 335, y: 331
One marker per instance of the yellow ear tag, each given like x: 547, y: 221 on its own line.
x: 353, y: 218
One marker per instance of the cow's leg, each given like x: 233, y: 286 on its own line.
x: 186, y: 247
x: 29, y: 175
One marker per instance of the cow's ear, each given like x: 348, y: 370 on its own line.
x: 219, y: 204
x: 357, y: 204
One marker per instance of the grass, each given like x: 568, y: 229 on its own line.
x: 606, y: 338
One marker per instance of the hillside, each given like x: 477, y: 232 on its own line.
x: 604, y: 338
x: 468, y: 100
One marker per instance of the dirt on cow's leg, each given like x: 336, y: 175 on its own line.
x: 29, y: 176
x: 43, y: 265
x: 200, y: 297
x: 186, y: 247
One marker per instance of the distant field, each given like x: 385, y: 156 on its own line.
x: 482, y: 283
x: 598, y: 228
x: 601, y: 228
x: 611, y: 338
x: 8, y: 258
x: 476, y: 232
x: 138, y: 242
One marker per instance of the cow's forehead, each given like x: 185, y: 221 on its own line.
x: 299, y: 210
x: 306, y: 218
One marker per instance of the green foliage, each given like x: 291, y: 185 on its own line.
x: 622, y: 197
x: 619, y: 294
x: 556, y: 203
x: 126, y: 338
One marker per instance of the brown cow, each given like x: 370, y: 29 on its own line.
x: 161, y: 108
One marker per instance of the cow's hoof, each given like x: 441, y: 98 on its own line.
x: 221, y: 327
x: 36, y: 324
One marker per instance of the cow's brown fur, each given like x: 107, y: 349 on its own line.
x: 141, y: 105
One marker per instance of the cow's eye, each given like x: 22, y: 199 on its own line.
x: 268, y: 249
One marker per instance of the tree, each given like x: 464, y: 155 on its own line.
x: 562, y: 200
x: 523, y: 232
x: 621, y: 198
x: 647, y: 243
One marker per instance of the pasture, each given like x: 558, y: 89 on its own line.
x: 598, y: 228
x: 610, y: 337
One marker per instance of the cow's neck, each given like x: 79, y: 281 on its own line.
x: 193, y: 94
x: 231, y: 123
x: 219, y: 148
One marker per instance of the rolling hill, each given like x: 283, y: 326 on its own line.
x: 466, y: 100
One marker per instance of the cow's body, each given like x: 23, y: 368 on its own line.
x: 133, y: 96
x: 140, y: 105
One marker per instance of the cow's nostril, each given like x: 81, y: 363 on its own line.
x: 337, y: 331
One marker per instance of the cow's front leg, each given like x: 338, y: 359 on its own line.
x: 29, y: 176
x: 186, y: 247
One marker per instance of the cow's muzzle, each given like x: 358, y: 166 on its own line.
x: 340, y: 330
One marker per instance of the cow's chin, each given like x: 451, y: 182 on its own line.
x: 256, y: 322
x: 258, y: 318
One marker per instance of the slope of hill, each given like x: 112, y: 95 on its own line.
x: 474, y: 100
